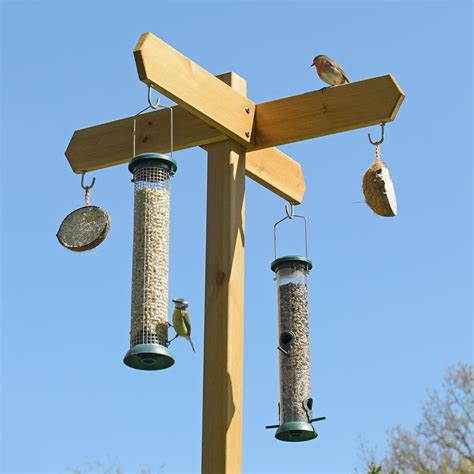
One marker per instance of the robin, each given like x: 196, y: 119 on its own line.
x: 329, y: 71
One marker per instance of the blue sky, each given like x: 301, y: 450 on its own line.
x: 390, y: 299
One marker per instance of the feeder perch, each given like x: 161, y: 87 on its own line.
x: 149, y: 326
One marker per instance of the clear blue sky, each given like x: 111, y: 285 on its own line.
x: 390, y: 303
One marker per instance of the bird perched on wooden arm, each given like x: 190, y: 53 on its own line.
x: 329, y: 71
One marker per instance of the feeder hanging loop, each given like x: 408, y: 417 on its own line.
x: 290, y: 215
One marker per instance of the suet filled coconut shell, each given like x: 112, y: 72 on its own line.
x: 84, y: 229
x: 379, y: 191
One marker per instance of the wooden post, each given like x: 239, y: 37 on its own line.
x: 224, y: 306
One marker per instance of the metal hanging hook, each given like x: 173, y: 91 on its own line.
x: 150, y: 103
x: 153, y: 106
x: 83, y: 186
x: 290, y: 214
x: 381, y: 139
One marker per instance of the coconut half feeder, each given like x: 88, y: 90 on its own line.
x: 149, y: 343
x: 295, y: 409
x: 377, y: 185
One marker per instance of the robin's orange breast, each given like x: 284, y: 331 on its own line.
x: 320, y: 68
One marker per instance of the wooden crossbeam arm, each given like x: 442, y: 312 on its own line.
x: 110, y: 144
x: 326, y: 111
x: 309, y: 115
x: 194, y: 88
x: 317, y: 113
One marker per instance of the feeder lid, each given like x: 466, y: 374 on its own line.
x: 296, y: 431
x: 152, y: 160
x: 290, y: 261
x: 148, y: 357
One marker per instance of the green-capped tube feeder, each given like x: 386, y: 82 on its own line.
x: 152, y: 174
x: 296, y: 402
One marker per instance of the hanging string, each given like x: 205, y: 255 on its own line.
x: 377, y: 152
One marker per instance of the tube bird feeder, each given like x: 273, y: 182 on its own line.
x: 152, y: 174
x: 296, y: 402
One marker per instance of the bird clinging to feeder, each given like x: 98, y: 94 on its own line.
x: 182, y: 321
x: 329, y: 71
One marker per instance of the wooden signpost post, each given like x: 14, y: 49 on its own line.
x: 239, y: 135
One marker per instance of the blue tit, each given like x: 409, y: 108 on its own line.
x: 181, y: 320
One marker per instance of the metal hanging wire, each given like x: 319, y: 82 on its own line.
x: 291, y: 215
x: 153, y: 106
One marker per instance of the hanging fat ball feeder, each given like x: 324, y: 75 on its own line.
x: 377, y: 185
x: 296, y: 403
x: 152, y: 174
x: 86, y: 227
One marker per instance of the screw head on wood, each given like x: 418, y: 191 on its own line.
x: 247, y: 134
x: 247, y: 109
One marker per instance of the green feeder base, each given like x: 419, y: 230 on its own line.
x: 295, y: 431
x: 148, y: 357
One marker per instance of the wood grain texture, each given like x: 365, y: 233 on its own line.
x: 194, y: 88
x: 326, y: 111
x: 110, y: 144
x: 277, y: 172
x: 270, y: 167
x: 224, y: 308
